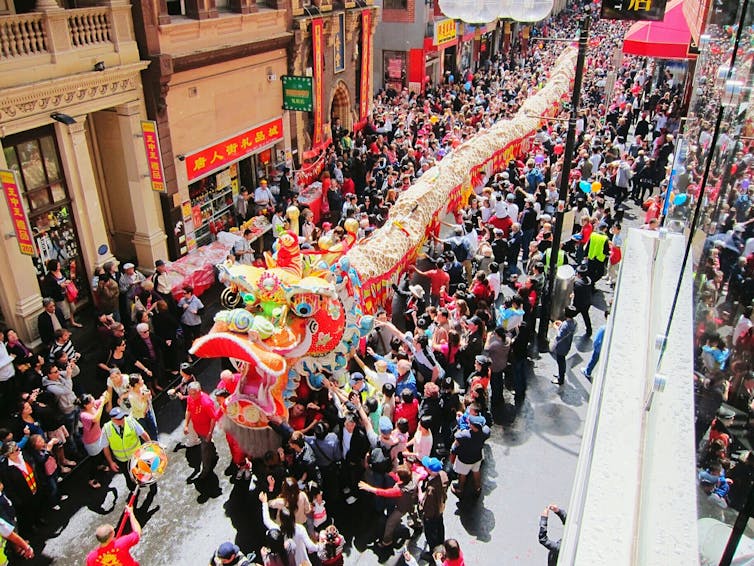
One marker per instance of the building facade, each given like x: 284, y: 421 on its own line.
x: 71, y: 106
x: 416, y: 44
x: 334, y: 44
x: 213, y: 88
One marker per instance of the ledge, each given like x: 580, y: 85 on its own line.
x: 634, y: 501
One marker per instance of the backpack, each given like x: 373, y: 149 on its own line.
x: 380, y: 461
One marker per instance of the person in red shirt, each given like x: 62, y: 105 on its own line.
x: 114, y: 551
x: 408, y: 409
x: 438, y: 278
x: 202, y: 414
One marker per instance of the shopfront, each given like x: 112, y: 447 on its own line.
x: 33, y: 156
x: 215, y: 176
x: 394, y: 64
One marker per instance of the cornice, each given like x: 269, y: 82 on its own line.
x: 21, y: 101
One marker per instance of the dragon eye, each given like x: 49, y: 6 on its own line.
x: 304, y: 304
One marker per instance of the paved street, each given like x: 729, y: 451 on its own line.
x: 529, y: 464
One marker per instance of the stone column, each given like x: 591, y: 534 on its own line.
x: 201, y: 9
x: 20, y: 298
x: 149, y: 238
x: 82, y: 187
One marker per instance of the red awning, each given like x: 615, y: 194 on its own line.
x: 668, y: 39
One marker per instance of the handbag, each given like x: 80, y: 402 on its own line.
x: 71, y: 292
x: 50, y: 465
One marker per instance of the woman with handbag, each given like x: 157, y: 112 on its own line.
x: 55, y: 285
x: 91, y: 436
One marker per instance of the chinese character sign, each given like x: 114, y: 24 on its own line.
x: 154, y: 158
x: 318, y: 57
x: 339, y: 45
x: 297, y: 93
x: 226, y: 152
x: 21, y: 226
x: 445, y: 31
x: 366, y: 60
x: 649, y: 10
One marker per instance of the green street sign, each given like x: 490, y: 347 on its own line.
x: 297, y: 93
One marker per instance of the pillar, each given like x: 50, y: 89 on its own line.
x: 19, y: 288
x: 82, y: 187
x: 149, y: 237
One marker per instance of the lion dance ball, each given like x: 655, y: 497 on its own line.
x: 148, y: 463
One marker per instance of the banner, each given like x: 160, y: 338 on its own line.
x: 318, y: 56
x: 445, y: 32
x: 297, y: 93
x: 645, y: 10
x: 366, y: 59
x: 224, y: 153
x: 339, y: 45
x: 18, y: 217
x: 154, y: 157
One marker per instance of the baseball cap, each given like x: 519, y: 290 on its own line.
x: 117, y: 413
x: 227, y: 550
x: 385, y: 425
x: 432, y: 464
x: 128, y: 265
x: 357, y: 376
x: 477, y: 420
x: 186, y: 367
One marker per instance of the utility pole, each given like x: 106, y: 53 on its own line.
x: 544, y: 321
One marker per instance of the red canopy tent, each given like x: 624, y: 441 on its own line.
x: 668, y: 39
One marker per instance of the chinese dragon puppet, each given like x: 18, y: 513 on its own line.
x: 297, y: 320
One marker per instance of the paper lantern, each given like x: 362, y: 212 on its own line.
x: 471, y: 11
x: 148, y: 463
x: 452, y: 8
x: 530, y: 10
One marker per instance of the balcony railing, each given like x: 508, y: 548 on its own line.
x: 57, y: 42
x: 89, y: 26
x: 22, y: 35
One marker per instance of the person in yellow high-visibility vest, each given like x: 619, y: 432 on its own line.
x: 598, y: 252
x: 124, y: 435
x: 561, y: 258
x: 8, y: 532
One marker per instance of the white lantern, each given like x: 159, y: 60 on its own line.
x: 481, y: 11
x: 452, y: 8
x: 503, y: 9
x: 530, y: 10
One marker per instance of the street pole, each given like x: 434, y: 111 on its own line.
x: 544, y: 321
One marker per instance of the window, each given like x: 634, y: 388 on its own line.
x: 395, y: 4
x: 34, y: 157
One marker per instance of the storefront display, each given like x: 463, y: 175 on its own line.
x: 213, y: 197
x: 34, y: 157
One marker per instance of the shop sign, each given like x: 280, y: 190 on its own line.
x: 366, y: 59
x: 224, y: 153
x: 18, y: 217
x: 154, y: 158
x: 186, y: 210
x: 318, y: 54
x: 297, y: 93
x: 645, y: 10
x: 445, y: 31
x: 339, y: 44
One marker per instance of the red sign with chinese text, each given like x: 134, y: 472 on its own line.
x: 154, y: 157
x: 366, y: 59
x: 319, y: 87
x: 226, y: 152
x: 18, y: 217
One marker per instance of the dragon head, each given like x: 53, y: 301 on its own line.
x: 284, y: 318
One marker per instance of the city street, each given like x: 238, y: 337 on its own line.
x: 528, y: 465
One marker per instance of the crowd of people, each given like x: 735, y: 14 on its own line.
x: 417, y: 407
